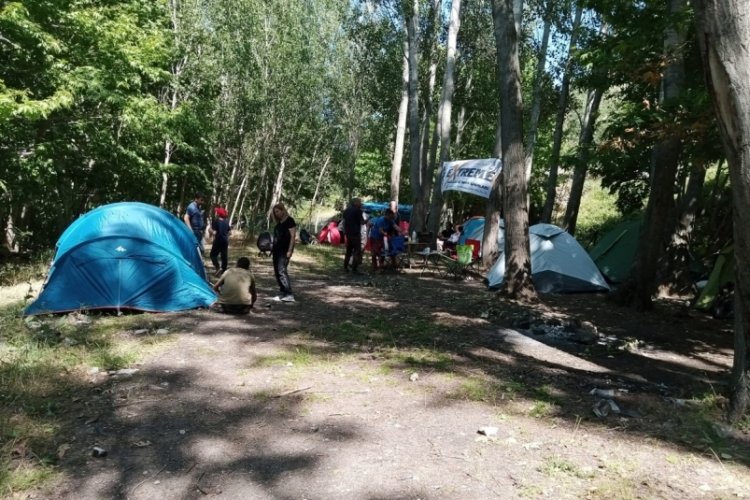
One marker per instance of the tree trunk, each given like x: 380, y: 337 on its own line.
x: 240, y: 192
x: 562, y: 108
x: 317, y: 187
x: 398, y: 150
x: 536, y: 98
x: 278, y: 185
x: 415, y: 160
x: 461, y: 119
x: 517, y: 282
x: 493, y: 208
x: 429, y: 148
x: 639, y: 288
x: 582, y: 159
x: 444, y: 125
x: 723, y: 32
x: 675, y: 276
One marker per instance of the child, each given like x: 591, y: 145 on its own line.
x: 220, y: 230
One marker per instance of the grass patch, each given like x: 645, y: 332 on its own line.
x: 43, y: 365
x: 475, y: 389
x: 298, y: 357
x: 541, y: 409
x: 23, y: 269
x: 423, y: 359
x: 556, y: 466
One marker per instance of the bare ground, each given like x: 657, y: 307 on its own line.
x: 376, y: 388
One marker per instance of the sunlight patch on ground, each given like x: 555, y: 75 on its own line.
x: 527, y: 346
x: 681, y: 360
x: 11, y: 294
x: 454, y: 320
x: 353, y: 296
x: 215, y: 450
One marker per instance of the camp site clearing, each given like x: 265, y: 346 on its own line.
x: 402, y: 385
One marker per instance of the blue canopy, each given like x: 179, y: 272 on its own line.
x: 404, y: 211
x: 125, y: 256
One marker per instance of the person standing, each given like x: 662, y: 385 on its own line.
x: 194, y: 219
x: 382, y: 227
x: 236, y: 289
x: 220, y: 230
x: 353, y: 219
x: 284, y: 235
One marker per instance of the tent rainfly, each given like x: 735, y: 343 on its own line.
x: 559, y: 264
x: 125, y: 256
x: 614, y: 254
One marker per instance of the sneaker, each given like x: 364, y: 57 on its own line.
x: 287, y: 298
x: 278, y: 298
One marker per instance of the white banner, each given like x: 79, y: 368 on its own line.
x: 471, y: 176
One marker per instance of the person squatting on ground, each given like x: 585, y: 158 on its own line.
x: 353, y: 219
x: 236, y: 289
x: 382, y: 227
x: 220, y: 230
x: 284, y: 235
x: 194, y: 219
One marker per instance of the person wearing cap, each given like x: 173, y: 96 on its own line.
x: 220, y: 230
x: 194, y: 219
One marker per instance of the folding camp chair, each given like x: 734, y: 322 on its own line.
x: 459, y: 265
x: 395, y: 251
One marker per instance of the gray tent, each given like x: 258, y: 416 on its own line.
x: 559, y: 264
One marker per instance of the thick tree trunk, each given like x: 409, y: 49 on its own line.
x: 493, y: 208
x: 723, y: 34
x: 639, y: 289
x: 398, y: 149
x: 446, y: 106
x: 674, y: 274
x: 562, y: 109
x: 415, y: 160
x: 517, y: 282
x: 585, y: 142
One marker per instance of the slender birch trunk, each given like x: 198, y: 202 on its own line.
x: 562, y: 108
x: 398, y: 149
x: 536, y: 98
x: 585, y: 143
x: 415, y: 164
x: 444, y: 114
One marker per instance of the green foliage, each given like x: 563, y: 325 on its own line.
x: 598, y: 214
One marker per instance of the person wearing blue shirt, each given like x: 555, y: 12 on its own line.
x: 381, y: 227
x: 194, y: 219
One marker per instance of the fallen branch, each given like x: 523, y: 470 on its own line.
x: 287, y: 393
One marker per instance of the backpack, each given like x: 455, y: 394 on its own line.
x: 265, y: 243
x: 305, y: 237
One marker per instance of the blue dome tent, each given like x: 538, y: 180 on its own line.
x: 125, y: 256
x: 559, y: 264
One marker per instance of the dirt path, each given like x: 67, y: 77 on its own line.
x: 377, y: 388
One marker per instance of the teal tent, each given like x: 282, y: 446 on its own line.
x: 125, y: 256
x: 614, y: 254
